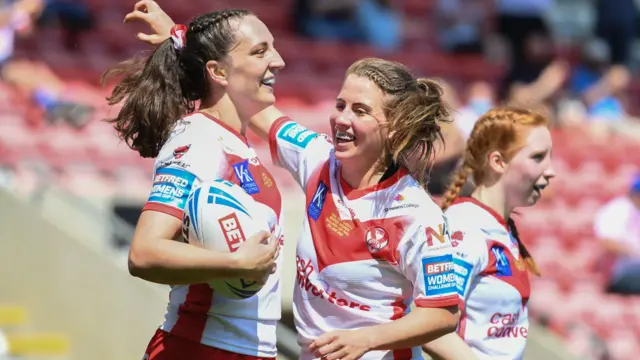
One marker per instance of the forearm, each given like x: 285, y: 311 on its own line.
x: 420, y: 326
x: 449, y: 347
x: 261, y: 123
x: 174, y: 263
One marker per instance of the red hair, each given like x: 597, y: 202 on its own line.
x: 501, y: 129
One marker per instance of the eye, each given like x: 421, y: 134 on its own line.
x: 340, y: 106
x: 360, y: 112
x: 539, y: 157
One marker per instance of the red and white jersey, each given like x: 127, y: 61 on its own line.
x: 492, y: 281
x: 201, y: 148
x: 363, y: 255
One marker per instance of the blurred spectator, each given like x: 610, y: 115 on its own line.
x: 74, y: 17
x: 598, y: 84
x: 616, y: 24
x: 462, y: 24
x: 371, y: 21
x: 35, y: 80
x: 480, y: 99
x: 535, y: 81
x: 518, y: 19
x: 617, y: 225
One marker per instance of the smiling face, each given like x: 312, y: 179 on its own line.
x: 357, y: 122
x: 250, y: 68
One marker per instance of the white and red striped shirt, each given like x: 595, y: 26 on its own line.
x: 363, y: 255
x: 492, y: 281
x: 200, y: 149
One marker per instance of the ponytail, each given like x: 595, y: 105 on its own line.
x: 530, y: 264
x: 153, y: 99
x: 456, y: 186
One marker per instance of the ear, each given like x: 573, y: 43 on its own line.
x: 497, y: 162
x: 216, y: 72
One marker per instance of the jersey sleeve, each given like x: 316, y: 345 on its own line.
x: 298, y: 149
x: 426, y: 260
x: 470, y: 257
x: 180, y: 167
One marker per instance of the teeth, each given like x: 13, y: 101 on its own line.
x: 345, y: 136
x: 269, y: 81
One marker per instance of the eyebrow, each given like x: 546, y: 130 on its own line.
x: 362, y: 105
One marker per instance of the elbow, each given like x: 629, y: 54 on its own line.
x: 138, y: 263
x: 450, y: 324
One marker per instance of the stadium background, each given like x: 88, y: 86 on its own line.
x: 70, y: 191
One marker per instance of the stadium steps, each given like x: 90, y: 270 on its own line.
x: 17, y: 339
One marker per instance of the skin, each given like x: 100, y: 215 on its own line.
x: 422, y: 324
x: 154, y: 254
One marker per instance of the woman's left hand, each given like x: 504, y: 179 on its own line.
x: 341, y: 345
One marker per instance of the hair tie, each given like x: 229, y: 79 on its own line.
x: 178, y: 36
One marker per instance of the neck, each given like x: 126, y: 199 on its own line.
x: 494, y: 198
x: 223, y: 109
x: 359, y: 177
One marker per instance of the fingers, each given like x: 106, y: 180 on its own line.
x: 321, y: 341
x: 337, y: 355
x: 146, y: 5
x: 136, y: 15
x: 328, y: 350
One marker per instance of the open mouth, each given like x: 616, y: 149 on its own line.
x: 538, y: 188
x: 343, y: 137
x: 268, y: 82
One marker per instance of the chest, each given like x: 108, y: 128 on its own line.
x: 243, y: 168
x: 343, y: 234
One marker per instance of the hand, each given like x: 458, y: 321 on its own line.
x: 257, y: 257
x: 149, y: 12
x: 618, y: 77
x: 342, y: 345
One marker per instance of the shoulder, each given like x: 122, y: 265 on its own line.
x: 193, y: 143
x: 468, y: 227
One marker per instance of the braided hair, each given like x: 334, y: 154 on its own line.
x: 500, y: 129
x: 158, y: 90
x: 414, y: 110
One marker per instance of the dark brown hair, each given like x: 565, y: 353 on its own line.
x: 414, y: 111
x: 501, y: 129
x: 158, y: 90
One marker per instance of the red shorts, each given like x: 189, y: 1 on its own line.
x: 166, y: 346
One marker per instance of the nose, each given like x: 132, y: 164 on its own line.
x: 343, y: 119
x: 277, y: 63
x: 549, y: 173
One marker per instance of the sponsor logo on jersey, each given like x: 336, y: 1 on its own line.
x: 317, y: 201
x: 437, y: 237
x: 399, y: 198
x: 502, y: 262
x: 506, y: 325
x: 296, y: 134
x: 456, y: 238
x: 232, y: 231
x: 439, y: 275
x: 247, y: 182
x: 180, y: 151
x: 463, y: 273
x: 171, y: 187
x: 377, y: 239
x: 313, y: 287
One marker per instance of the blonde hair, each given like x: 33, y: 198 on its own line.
x: 501, y: 129
x: 414, y: 110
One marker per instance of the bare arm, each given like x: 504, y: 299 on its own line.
x: 155, y: 257
x: 419, y: 326
x: 550, y: 80
x: 449, y: 347
x: 261, y: 123
x: 616, y: 79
